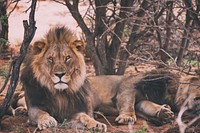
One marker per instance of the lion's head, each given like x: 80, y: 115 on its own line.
x: 58, y: 61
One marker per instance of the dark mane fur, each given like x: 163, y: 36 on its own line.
x: 59, y: 34
x: 159, y: 86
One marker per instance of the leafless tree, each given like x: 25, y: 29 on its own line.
x: 120, y: 32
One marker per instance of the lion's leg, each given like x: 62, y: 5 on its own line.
x: 90, y: 123
x: 89, y: 105
x: 41, y: 118
x: 154, y: 111
x: 18, y: 104
x: 125, y: 105
x: 21, y: 106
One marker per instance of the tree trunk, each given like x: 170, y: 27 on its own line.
x: 124, y: 54
x: 117, y: 36
x: 100, y: 34
x: 165, y: 46
x: 186, y: 35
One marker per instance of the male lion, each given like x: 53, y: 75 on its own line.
x: 54, y: 82
x: 56, y: 87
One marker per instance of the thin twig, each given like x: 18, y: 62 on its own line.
x: 169, y: 56
x: 35, y: 130
x: 13, y: 8
x: 59, y: 2
x: 99, y: 113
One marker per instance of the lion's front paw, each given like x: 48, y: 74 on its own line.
x: 126, y: 118
x: 165, y: 114
x: 94, y: 125
x: 46, y: 121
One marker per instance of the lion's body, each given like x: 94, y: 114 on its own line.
x: 148, y: 94
x: 104, y: 89
x: 56, y: 87
x: 119, y: 95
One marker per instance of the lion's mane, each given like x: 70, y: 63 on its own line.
x: 36, y: 76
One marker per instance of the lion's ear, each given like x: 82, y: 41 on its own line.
x: 79, y: 45
x: 38, y: 46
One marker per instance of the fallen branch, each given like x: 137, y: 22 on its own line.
x: 29, y: 32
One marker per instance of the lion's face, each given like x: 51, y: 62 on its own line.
x: 61, y: 64
x: 58, y: 62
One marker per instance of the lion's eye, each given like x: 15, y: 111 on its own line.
x: 50, y: 59
x: 68, y: 58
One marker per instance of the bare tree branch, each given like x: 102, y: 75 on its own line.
x: 28, y: 36
x: 16, y: 3
x: 165, y: 46
x: 116, y: 25
x: 73, y: 8
x: 124, y: 55
x: 193, y: 14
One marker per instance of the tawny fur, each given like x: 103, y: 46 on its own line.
x: 148, y: 94
x: 54, y: 81
x: 153, y: 94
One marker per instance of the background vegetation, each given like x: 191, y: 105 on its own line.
x: 120, y: 33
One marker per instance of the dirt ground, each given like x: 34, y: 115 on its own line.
x: 19, y: 124
x: 48, y: 14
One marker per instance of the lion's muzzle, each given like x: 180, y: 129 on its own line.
x: 61, y: 80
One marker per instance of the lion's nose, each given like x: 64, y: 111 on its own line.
x: 60, y: 75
